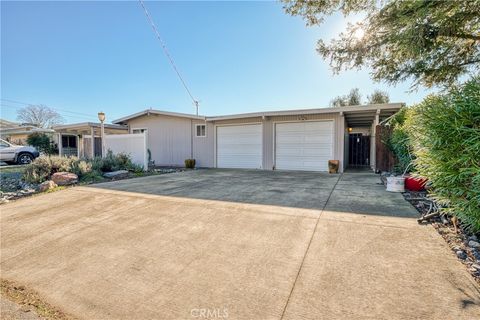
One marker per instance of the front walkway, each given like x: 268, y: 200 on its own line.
x: 246, y: 244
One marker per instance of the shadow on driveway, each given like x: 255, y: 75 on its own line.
x: 351, y: 192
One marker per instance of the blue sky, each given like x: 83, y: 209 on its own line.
x: 235, y: 56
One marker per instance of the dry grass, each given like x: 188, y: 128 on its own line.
x: 30, y: 299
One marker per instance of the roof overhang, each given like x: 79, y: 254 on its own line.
x: 361, y: 115
x: 365, y: 118
x: 24, y: 130
x: 86, y: 128
x: 362, y: 110
x: 157, y: 112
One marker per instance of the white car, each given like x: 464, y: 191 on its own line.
x: 12, y: 153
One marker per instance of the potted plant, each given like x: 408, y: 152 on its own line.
x: 190, y: 163
x: 333, y: 166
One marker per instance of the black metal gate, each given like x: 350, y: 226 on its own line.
x: 358, y: 150
x: 98, y: 147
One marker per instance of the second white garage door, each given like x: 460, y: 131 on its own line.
x: 303, y: 145
x: 239, y: 146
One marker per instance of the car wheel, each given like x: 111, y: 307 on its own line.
x: 24, y: 158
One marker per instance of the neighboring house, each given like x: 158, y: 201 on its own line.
x: 283, y: 140
x: 17, y: 133
x: 76, y: 139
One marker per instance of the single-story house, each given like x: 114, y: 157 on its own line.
x: 276, y: 140
x: 76, y: 139
x: 17, y: 133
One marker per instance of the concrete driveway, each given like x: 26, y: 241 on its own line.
x: 234, y: 244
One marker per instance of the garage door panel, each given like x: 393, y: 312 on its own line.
x: 239, y: 146
x: 304, y: 145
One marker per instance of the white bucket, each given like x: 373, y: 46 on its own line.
x: 396, y: 184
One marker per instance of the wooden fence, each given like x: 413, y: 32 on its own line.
x: 385, y: 160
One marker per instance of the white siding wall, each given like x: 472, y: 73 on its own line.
x: 168, y: 138
x: 203, y: 151
x: 131, y: 144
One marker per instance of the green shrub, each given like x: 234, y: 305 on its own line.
x: 81, y: 167
x: 398, y: 141
x: 43, y: 167
x: 111, y: 162
x: 92, y: 176
x: 445, y: 135
x: 42, y: 142
x: 38, y: 171
x: 190, y: 163
x: 60, y: 164
x: 122, y: 161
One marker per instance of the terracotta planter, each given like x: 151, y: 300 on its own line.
x: 333, y: 166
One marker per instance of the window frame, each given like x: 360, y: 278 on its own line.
x: 196, y: 130
x: 68, y: 137
x: 144, y: 130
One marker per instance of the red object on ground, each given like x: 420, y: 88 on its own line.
x: 415, y: 183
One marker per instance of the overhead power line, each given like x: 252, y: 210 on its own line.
x: 169, y: 57
x: 58, y: 110
x: 89, y: 118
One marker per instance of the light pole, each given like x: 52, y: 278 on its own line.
x: 101, y: 117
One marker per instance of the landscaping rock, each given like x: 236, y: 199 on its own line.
x: 474, y: 244
x: 461, y: 254
x: 476, y: 254
x: 64, y: 178
x: 116, y: 174
x: 47, y: 185
x: 168, y: 170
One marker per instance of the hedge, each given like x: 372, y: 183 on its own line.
x: 444, y: 132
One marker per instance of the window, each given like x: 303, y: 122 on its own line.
x: 69, y: 141
x: 141, y: 130
x: 201, y: 130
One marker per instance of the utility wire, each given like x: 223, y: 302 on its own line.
x: 165, y: 50
x: 28, y: 104
x: 61, y: 113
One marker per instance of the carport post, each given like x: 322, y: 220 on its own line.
x: 373, y: 143
x: 92, y: 142
x: 60, y: 146
x: 78, y: 146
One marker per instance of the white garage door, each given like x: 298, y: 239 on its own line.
x: 304, y: 145
x: 239, y: 146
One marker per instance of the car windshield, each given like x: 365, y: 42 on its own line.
x: 7, y: 143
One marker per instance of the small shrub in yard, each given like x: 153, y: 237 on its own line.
x: 190, y: 163
x: 445, y: 135
x: 60, y: 164
x: 43, y: 167
x: 38, y: 171
x: 111, y: 162
x: 87, y: 170
x: 81, y: 167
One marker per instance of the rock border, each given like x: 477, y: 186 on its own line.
x: 464, y: 246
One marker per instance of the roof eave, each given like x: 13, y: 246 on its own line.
x: 359, y: 108
x: 158, y: 112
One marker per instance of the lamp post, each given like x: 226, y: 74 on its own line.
x: 101, y: 117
